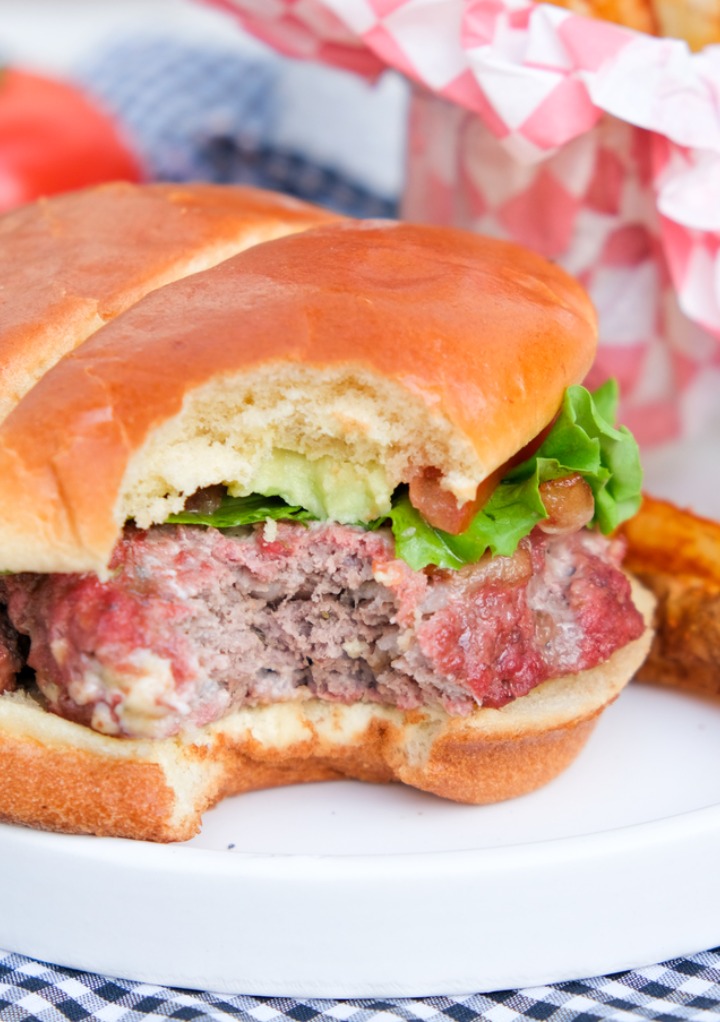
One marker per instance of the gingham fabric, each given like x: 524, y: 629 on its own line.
x: 204, y: 113
x: 586, y: 206
x: 681, y: 989
x: 598, y: 146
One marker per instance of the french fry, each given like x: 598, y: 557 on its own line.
x: 677, y: 555
x: 637, y: 14
x: 695, y: 21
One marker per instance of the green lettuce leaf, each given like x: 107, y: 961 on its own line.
x: 236, y: 511
x: 510, y: 514
x: 583, y: 439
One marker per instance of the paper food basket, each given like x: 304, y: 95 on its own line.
x: 591, y: 143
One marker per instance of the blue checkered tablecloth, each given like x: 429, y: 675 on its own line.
x: 199, y: 113
x: 681, y: 989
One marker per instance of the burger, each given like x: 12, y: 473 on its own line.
x: 338, y: 506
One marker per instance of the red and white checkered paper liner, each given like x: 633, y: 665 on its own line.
x: 597, y: 146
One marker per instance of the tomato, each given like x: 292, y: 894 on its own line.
x: 441, y: 509
x: 53, y: 138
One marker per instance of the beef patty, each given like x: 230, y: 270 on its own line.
x: 194, y: 622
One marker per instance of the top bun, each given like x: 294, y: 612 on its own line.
x: 71, y: 263
x: 374, y: 343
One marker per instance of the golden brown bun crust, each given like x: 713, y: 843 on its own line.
x: 61, y: 776
x: 72, y: 262
x: 129, y: 796
x: 484, y: 335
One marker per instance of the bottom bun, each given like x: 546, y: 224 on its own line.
x: 62, y: 776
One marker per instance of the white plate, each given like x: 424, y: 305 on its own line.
x: 338, y: 890
x: 347, y: 890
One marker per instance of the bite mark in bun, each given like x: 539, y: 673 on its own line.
x: 277, y: 608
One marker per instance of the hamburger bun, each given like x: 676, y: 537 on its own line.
x: 374, y: 343
x: 65, y: 269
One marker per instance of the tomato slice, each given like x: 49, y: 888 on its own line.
x: 441, y: 509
